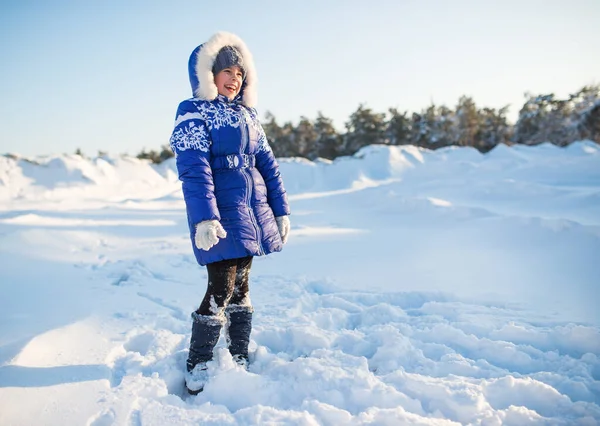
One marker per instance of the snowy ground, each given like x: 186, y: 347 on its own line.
x: 417, y: 287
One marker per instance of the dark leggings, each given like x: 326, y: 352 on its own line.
x: 227, y: 285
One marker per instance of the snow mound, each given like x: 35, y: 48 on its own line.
x: 417, y: 287
x: 73, y: 176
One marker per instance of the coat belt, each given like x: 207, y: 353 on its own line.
x: 233, y: 161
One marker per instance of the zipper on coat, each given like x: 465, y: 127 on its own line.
x: 249, y: 181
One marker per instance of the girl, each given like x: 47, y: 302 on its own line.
x: 236, y: 204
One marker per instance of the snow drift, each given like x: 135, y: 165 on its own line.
x: 417, y: 287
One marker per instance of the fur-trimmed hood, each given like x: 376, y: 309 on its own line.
x: 201, y: 63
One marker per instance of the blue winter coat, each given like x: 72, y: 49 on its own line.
x: 227, y: 168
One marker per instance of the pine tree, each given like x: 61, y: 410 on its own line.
x: 271, y: 129
x: 305, y: 139
x: 329, y: 142
x: 494, y: 129
x: 589, y: 124
x: 287, y: 142
x: 420, y: 130
x: 398, y: 128
x: 151, y: 155
x: 467, y: 122
x: 532, y: 118
x: 586, y: 110
x: 364, y: 128
x: 430, y: 129
x: 275, y: 136
x: 443, y: 126
x: 544, y: 118
x: 165, y: 153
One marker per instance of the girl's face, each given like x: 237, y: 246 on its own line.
x: 229, y: 81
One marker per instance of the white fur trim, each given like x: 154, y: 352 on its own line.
x: 207, y: 89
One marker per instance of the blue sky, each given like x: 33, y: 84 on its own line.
x: 108, y: 75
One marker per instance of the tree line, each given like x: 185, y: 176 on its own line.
x: 542, y: 118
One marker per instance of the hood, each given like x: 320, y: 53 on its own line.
x: 201, y: 63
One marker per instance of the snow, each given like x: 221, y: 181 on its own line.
x: 417, y: 287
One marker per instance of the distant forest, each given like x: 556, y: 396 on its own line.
x: 542, y: 118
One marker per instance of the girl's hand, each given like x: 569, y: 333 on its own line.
x: 208, y: 233
x: 283, y: 224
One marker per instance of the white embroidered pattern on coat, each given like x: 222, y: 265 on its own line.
x: 217, y: 115
x: 191, y: 132
x: 190, y: 136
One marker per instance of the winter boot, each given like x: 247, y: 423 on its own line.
x: 239, y: 326
x: 196, y: 379
x: 205, y: 335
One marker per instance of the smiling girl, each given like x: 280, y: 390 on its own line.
x: 236, y: 203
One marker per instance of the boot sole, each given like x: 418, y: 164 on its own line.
x: 194, y: 392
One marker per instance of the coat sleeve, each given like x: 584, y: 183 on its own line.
x: 269, y: 169
x: 191, y: 144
